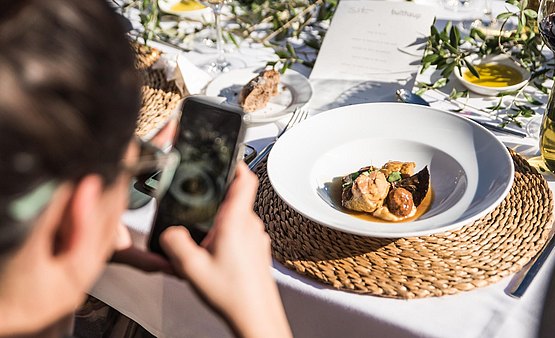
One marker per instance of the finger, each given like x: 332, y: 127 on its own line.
x: 185, y: 255
x: 244, y: 186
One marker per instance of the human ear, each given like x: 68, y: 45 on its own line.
x: 80, y: 216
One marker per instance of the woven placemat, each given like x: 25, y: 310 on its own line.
x: 159, y: 96
x: 476, y: 255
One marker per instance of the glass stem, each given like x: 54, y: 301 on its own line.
x: 488, y: 11
x: 219, y: 36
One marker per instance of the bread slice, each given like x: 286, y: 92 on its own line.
x: 257, y: 92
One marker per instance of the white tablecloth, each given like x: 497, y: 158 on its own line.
x: 168, y: 307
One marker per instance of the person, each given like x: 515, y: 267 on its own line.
x: 69, y: 99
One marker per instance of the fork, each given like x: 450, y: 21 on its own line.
x: 300, y: 114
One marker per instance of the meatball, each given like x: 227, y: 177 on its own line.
x: 399, y: 202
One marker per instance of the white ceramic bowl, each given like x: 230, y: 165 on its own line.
x: 492, y: 91
x: 471, y: 171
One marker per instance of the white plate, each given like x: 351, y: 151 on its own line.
x: 294, y: 91
x: 470, y: 170
x: 204, y: 14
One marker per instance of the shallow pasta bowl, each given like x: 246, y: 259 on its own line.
x: 471, y: 172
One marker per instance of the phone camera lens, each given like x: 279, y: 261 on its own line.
x: 194, y: 186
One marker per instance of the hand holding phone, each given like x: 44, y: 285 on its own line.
x: 235, y: 257
x: 208, y: 140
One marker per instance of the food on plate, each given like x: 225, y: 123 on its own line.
x: 187, y: 5
x: 406, y: 169
x: 366, y: 192
x: 391, y: 193
x: 258, y: 91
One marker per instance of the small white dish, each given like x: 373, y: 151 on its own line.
x: 491, y: 90
x: 203, y: 14
x: 294, y: 91
x: 471, y: 171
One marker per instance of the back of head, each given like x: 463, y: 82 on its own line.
x: 69, y: 98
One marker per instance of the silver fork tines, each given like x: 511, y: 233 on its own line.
x: 298, y: 116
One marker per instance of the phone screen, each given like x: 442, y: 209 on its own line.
x: 207, y: 142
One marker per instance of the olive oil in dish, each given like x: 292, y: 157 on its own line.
x: 187, y: 5
x: 494, y: 75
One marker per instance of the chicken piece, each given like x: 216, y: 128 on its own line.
x: 366, y: 193
x: 405, y: 168
x: 399, y: 202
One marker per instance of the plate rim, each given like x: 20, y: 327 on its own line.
x: 457, y: 224
x: 289, y: 73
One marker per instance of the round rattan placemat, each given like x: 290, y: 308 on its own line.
x: 476, y: 255
x: 160, y: 97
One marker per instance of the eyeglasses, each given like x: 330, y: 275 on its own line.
x: 154, y: 168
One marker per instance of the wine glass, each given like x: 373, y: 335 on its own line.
x: 546, y: 23
x: 458, y: 5
x: 487, y: 23
x: 221, y: 64
x: 465, y: 11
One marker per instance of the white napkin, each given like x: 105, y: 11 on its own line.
x: 179, y: 68
x: 194, y: 78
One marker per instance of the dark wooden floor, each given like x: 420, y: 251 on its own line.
x: 97, y: 320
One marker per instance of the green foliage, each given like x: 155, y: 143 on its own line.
x: 279, y: 20
x: 448, y: 51
x: 282, y: 20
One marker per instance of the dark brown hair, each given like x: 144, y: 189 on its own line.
x: 69, y: 95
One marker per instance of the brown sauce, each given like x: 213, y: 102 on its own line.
x: 420, y: 210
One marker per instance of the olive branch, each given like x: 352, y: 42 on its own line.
x: 447, y: 50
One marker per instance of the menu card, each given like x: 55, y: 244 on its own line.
x: 369, y: 38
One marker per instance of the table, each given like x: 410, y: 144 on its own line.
x: 168, y: 307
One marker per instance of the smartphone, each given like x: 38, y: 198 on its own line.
x: 249, y: 154
x: 209, y: 141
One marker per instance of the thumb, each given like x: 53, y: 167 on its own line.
x: 187, y: 257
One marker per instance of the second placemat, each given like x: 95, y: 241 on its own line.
x: 476, y: 255
x: 160, y: 97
